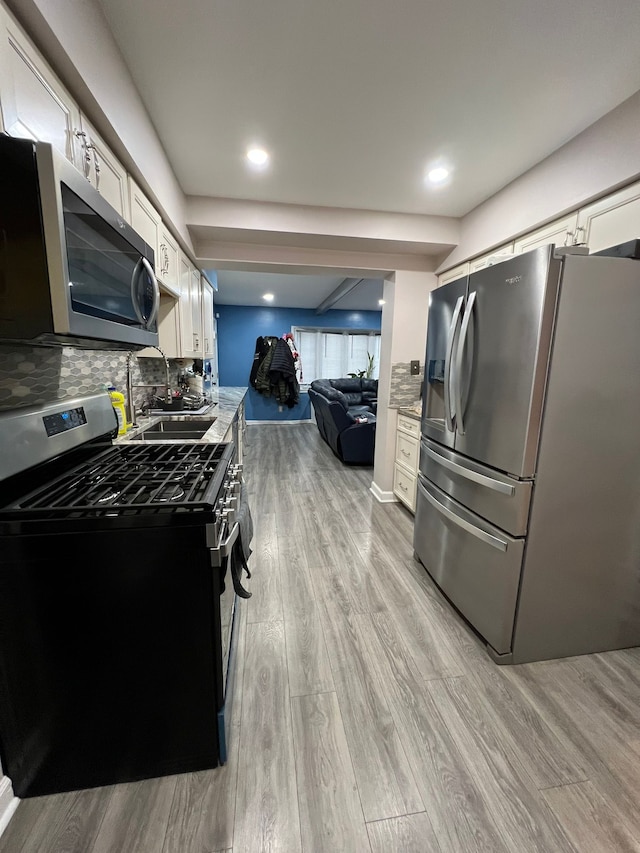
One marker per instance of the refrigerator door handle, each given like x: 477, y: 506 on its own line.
x: 494, y: 541
x: 464, y: 331
x: 489, y: 482
x: 449, y: 413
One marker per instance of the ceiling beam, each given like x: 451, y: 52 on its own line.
x: 345, y: 286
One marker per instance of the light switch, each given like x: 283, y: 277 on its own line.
x: 415, y: 368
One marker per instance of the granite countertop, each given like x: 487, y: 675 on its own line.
x: 225, y: 402
x: 411, y: 411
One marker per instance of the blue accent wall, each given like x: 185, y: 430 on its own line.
x: 240, y: 325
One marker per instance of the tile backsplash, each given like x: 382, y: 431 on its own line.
x: 30, y: 375
x: 405, y: 388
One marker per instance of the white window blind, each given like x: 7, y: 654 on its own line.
x: 332, y: 354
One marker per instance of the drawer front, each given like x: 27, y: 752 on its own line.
x: 404, y: 486
x: 475, y: 564
x: 407, y: 451
x: 409, y: 425
x: 497, y: 497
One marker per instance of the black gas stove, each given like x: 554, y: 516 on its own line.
x: 131, y: 480
x: 116, y: 623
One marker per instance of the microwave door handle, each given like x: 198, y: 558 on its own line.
x: 143, y: 264
x: 449, y: 413
x: 156, y: 292
x: 462, y: 342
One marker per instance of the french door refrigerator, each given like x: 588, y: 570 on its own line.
x: 528, y: 505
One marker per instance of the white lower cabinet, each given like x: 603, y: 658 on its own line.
x: 407, y: 460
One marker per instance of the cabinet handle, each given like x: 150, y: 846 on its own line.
x: 96, y: 163
x: 580, y: 236
x: 164, y: 255
x: 206, y: 345
x: 86, y: 164
x: 404, y: 452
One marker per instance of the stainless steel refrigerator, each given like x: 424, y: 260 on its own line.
x: 528, y: 505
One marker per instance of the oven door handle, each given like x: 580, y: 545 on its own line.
x: 223, y: 549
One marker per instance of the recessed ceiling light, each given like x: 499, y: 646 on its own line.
x: 268, y: 297
x: 257, y: 156
x: 380, y: 301
x: 438, y: 175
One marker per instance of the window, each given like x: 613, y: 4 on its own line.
x: 334, y: 353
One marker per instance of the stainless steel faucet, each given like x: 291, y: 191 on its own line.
x: 131, y: 386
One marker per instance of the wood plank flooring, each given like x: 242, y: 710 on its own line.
x: 368, y: 717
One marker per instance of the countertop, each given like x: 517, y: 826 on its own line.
x: 414, y: 412
x: 225, y: 402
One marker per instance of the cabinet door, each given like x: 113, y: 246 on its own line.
x: 491, y: 258
x: 561, y: 232
x: 35, y: 104
x: 145, y: 219
x: 103, y: 169
x: 208, y: 333
x: 453, y: 274
x: 611, y: 220
x: 169, y: 331
x: 190, y: 310
x: 167, y: 261
x: 196, y: 313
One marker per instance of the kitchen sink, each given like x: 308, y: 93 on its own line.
x: 175, y: 430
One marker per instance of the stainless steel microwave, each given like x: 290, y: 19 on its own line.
x: 72, y: 271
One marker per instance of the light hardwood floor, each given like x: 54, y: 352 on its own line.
x: 368, y: 717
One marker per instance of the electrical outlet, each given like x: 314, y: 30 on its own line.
x: 415, y: 368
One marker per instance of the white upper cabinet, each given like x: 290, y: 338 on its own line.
x: 208, y: 327
x: 167, y: 261
x: 561, y: 232
x: 196, y: 313
x: 146, y: 220
x: 453, y: 274
x: 102, y: 169
x: 190, y: 308
x: 35, y: 104
x: 612, y: 220
x: 491, y: 258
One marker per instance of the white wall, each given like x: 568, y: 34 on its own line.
x: 404, y: 336
x: 598, y: 160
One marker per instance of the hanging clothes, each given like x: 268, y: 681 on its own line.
x: 273, y: 371
x: 262, y: 381
x: 282, y: 374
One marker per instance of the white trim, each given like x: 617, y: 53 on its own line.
x: 8, y: 803
x: 258, y: 423
x: 381, y: 496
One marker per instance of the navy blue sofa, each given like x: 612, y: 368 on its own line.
x: 340, y: 405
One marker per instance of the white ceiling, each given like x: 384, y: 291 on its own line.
x: 354, y: 100
x: 294, y: 291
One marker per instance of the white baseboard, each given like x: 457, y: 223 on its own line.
x: 258, y: 423
x: 8, y: 803
x: 380, y: 495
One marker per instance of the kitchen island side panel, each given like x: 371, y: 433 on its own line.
x: 580, y: 587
